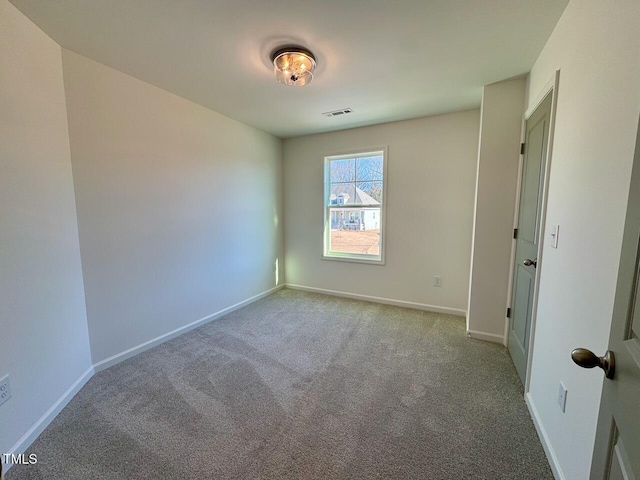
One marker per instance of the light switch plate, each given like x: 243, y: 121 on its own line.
x: 555, y: 230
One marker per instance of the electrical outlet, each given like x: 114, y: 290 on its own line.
x: 562, y: 397
x: 5, y: 389
x: 437, y: 281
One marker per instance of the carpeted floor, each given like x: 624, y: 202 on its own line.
x: 301, y: 386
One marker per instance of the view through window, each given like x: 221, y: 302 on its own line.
x: 354, y: 206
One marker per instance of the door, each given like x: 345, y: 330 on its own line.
x: 617, y: 449
x: 528, y: 234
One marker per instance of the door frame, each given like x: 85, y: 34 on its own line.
x: 550, y: 88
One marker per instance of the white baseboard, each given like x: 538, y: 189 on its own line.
x: 119, y: 357
x: 544, y: 439
x: 44, y: 421
x: 487, y: 337
x: 386, y: 301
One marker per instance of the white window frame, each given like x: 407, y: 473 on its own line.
x: 355, y: 257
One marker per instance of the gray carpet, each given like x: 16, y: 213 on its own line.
x: 301, y: 386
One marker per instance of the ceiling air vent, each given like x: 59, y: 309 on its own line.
x: 337, y: 113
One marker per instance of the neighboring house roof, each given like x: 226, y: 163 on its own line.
x: 347, y: 191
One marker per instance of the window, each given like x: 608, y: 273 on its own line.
x: 354, y: 206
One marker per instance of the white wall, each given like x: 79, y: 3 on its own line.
x: 430, y: 191
x: 45, y: 346
x: 179, y: 207
x: 503, y: 105
x: 596, y: 45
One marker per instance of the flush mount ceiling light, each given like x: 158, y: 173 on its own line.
x: 293, y: 66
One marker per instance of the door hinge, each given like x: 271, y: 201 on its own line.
x: 515, y: 233
x: 508, y: 313
x: 522, y: 149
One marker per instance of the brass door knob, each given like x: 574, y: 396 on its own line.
x: 587, y: 359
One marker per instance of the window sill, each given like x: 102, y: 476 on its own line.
x: 353, y: 259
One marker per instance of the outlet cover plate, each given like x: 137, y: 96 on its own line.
x: 562, y: 397
x: 5, y: 389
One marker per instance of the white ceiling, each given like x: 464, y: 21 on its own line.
x: 387, y: 59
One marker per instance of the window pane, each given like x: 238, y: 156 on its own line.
x: 355, y: 191
x: 343, y: 170
x: 343, y: 194
x: 355, y: 231
x: 369, y: 168
x: 369, y: 193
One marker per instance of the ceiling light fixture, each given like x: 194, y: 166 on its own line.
x: 293, y: 66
